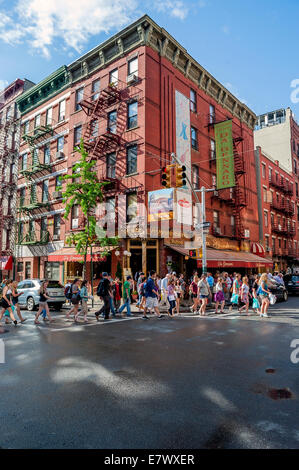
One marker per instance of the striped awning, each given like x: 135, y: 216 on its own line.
x: 258, y: 249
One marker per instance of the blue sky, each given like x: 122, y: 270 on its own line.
x: 248, y: 45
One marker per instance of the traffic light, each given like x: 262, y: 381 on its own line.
x: 166, y: 176
x: 196, y: 253
x: 180, y: 176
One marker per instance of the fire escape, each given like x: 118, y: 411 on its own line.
x: 9, y: 143
x: 234, y: 197
x: 103, y: 135
x: 35, y: 203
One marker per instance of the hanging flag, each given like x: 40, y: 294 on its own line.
x: 224, y: 155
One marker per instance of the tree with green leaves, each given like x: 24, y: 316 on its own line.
x: 85, y: 190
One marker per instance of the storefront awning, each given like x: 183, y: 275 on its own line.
x: 70, y: 254
x: 228, y: 259
x: 6, y: 263
x: 258, y: 249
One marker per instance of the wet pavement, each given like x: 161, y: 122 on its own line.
x: 185, y: 382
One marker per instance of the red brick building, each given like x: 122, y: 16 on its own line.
x: 278, y: 218
x: 121, y: 98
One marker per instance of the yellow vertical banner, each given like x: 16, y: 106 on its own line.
x: 224, y: 155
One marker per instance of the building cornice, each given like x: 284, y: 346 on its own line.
x: 44, y: 90
x: 146, y: 32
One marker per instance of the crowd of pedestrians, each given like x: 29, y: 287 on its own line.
x: 222, y: 290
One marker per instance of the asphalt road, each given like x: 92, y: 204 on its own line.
x: 171, y: 383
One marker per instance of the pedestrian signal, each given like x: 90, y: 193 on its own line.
x: 196, y: 253
x: 180, y: 176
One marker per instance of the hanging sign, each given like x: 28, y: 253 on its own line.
x: 224, y: 155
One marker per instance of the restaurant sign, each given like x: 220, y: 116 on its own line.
x: 224, y: 155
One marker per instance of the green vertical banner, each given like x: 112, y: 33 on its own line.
x: 224, y: 155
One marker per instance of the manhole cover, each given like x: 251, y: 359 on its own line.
x: 279, y: 393
x: 270, y: 371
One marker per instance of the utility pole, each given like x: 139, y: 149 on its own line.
x: 203, y: 225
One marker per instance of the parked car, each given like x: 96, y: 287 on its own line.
x: 30, y: 295
x: 278, y: 290
x: 293, y: 284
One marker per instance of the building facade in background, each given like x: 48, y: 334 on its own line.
x: 277, y: 140
x: 9, y: 148
x: 135, y: 99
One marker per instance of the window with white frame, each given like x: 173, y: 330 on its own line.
x: 113, y: 77
x: 61, y: 111
x: 133, y: 66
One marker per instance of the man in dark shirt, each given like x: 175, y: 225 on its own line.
x: 152, y: 294
x: 105, y: 293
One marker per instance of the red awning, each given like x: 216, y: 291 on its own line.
x: 228, y: 259
x: 70, y: 254
x: 258, y: 249
x: 6, y: 263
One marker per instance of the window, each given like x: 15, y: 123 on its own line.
x: 265, y: 194
x: 33, y: 193
x: 263, y: 170
x: 60, y: 143
x: 95, y: 89
x: 78, y: 98
x: 267, y: 243
x: 111, y: 161
x: 272, y: 219
x: 295, y: 166
x: 58, y: 182
x: 270, y: 174
x: 113, y: 77
x: 131, y: 159
x: 195, y: 176
x: 45, y: 191
x: 233, y: 225
x: 22, y: 196
x: 266, y: 218
x: 49, y: 116
x: 194, y: 142
x: 297, y: 189
x: 133, y: 66
x: 27, y: 269
x: 273, y: 244
x: 193, y: 105
x: 94, y: 127
x: 24, y: 161
x: 112, y: 118
x: 213, y: 149
x: 77, y: 135
x: 44, y: 225
x: 131, y: 207
x: 110, y: 210
x: 216, y: 220
x: 35, y: 157
x: 37, y: 120
x: 20, y: 267
x: 212, y: 116
x: 26, y: 127
x: 61, y: 111
x: 75, y: 216
x: 132, y: 114
x: 57, y: 221
x: 47, y: 154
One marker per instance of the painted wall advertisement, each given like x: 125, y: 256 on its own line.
x: 183, y: 131
x: 224, y: 155
x: 160, y: 204
x: 183, y: 207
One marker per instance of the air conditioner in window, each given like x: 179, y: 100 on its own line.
x: 56, y: 237
x: 59, y: 154
x: 132, y: 78
x: 75, y: 223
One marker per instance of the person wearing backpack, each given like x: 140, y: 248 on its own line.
x: 74, y: 297
x: 104, y: 291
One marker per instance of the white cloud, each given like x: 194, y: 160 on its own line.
x: 176, y: 8
x: 235, y: 92
x: 3, y: 84
x: 75, y: 21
